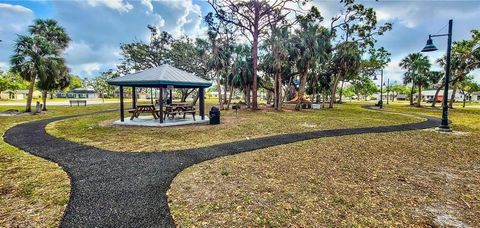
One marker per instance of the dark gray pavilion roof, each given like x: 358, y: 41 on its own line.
x: 163, y: 75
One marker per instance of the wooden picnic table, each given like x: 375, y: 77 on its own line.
x: 179, y: 109
x: 143, y: 109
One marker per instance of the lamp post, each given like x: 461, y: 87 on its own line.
x: 388, y: 89
x: 381, y: 87
x: 431, y: 47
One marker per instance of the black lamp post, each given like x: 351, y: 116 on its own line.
x: 381, y: 87
x: 388, y: 89
x: 431, y: 47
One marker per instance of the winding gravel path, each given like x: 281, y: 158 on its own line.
x: 111, y: 189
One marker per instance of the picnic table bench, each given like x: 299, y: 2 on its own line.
x: 178, y: 109
x: 143, y: 109
x: 78, y: 102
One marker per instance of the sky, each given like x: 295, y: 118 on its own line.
x: 98, y: 27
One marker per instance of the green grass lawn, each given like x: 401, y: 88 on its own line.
x: 416, y: 178
x: 98, y: 130
x: 33, y: 191
x: 56, y: 100
x: 393, y: 179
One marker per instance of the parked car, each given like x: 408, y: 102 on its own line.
x: 430, y: 100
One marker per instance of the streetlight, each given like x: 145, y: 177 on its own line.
x: 388, y: 89
x: 381, y: 87
x: 431, y: 47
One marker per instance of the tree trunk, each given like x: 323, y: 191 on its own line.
x: 247, y: 96
x: 225, y: 89
x: 452, y: 98
x: 195, y: 99
x: 341, y: 92
x: 278, y: 89
x: 220, y: 103
x: 464, y: 99
x: 254, y: 63
x: 230, y: 96
x: 269, y: 97
x: 436, y: 94
x: 411, y: 94
x: 334, y: 90
x: 301, y: 91
x: 30, y: 96
x: 44, y: 100
x: 323, y: 99
x: 185, y: 94
x: 419, y: 98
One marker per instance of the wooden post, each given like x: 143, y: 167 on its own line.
x: 202, y: 102
x: 122, y: 116
x: 151, y: 96
x: 134, y: 97
x: 160, y: 101
x: 171, y: 96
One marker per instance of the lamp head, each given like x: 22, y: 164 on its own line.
x: 429, y: 46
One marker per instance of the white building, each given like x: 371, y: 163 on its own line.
x: 475, y: 96
x: 429, y: 94
x: 86, y: 93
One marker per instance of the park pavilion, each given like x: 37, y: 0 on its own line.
x: 162, y: 112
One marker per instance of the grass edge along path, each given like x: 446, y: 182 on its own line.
x: 34, y: 191
x: 113, y: 189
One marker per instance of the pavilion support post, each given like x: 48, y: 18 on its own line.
x: 122, y: 115
x: 134, y: 97
x: 151, y: 96
x: 201, y: 95
x: 171, y: 96
x: 160, y: 101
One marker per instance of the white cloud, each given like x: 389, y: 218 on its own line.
x: 118, y: 5
x: 14, y: 18
x: 148, y: 4
x: 86, y: 69
x: 15, y: 8
x: 159, y: 21
x: 406, y: 16
x: 4, y: 66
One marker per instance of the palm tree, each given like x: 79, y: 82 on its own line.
x: 31, y: 54
x: 311, y: 45
x: 59, y: 39
x: 57, y: 78
x: 418, y: 73
x: 51, y: 30
x: 36, y: 56
x: 346, y: 63
x: 278, y: 47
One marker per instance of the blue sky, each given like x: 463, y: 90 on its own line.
x: 98, y: 27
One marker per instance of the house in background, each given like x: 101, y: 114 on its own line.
x: 82, y: 93
x: 429, y: 94
x: 18, y: 94
x: 475, y: 97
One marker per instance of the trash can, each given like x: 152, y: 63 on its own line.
x: 214, y: 115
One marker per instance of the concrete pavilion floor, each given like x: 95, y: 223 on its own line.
x: 149, y: 121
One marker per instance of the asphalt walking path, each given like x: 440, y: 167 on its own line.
x: 112, y: 189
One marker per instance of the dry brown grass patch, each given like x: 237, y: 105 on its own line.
x: 394, y: 179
